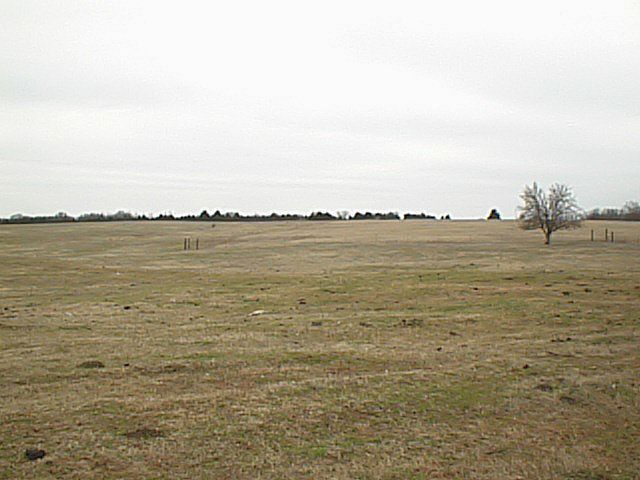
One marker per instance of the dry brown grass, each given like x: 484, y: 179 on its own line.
x: 435, y: 350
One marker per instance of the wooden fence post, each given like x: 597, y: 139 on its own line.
x: 197, y: 243
x: 185, y: 243
x: 592, y: 235
x: 606, y: 234
x: 611, y: 237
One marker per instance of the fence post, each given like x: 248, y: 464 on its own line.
x: 189, y: 243
x: 606, y: 234
x: 611, y: 237
x: 592, y: 235
x: 185, y: 243
x: 197, y: 243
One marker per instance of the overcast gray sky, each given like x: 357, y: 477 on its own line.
x: 441, y: 107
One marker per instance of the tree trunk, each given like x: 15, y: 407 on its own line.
x: 547, y: 238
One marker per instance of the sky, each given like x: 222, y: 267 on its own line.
x: 296, y: 106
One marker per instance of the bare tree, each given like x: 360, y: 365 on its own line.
x: 556, y: 210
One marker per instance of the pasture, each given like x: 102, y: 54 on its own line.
x: 385, y: 350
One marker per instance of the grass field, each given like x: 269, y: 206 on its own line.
x: 416, y: 349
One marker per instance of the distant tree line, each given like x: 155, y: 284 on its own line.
x: 375, y: 216
x: 217, y: 216
x: 59, y: 217
x: 630, y: 212
x: 418, y: 216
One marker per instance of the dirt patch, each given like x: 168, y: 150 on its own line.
x: 91, y: 364
x: 412, y: 322
x: 586, y: 475
x: 144, y: 433
x: 544, y: 387
x: 158, y: 370
x: 34, y: 454
x: 568, y: 400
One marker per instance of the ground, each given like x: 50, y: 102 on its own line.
x: 414, y: 349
